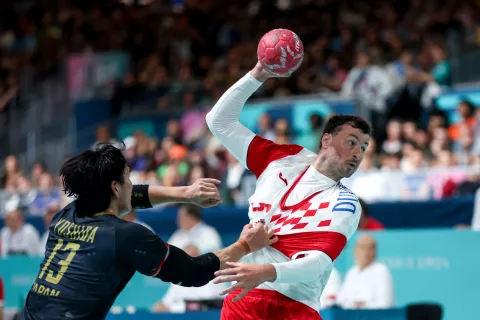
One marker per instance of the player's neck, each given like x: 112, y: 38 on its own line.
x: 321, y: 165
x: 113, y: 209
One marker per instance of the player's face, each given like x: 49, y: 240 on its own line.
x: 125, y: 193
x: 348, y: 148
x: 365, y: 251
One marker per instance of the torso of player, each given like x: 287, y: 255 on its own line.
x: 302, y: 206
x: 78, y: 259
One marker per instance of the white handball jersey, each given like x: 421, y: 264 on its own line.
x: 309, y: 212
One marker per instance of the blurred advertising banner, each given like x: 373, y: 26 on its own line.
x: 93, y: 76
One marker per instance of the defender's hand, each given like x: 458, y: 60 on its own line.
x: 258, y: 236
x: 204, y: 193
x: 248, y: 277
x: 261, y: 74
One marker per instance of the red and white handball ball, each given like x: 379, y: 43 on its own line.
x: 280, y: 51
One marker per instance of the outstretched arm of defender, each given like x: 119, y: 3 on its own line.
x: 203, y: 193
x: 145, y: 252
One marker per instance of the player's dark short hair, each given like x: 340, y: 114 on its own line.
x: 193, y: 211
x: 89, y: 176
x: 336, y: 122
x: 364, y: 206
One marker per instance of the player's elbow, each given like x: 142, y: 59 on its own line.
x: 210, y: 119
x: 187, y: 271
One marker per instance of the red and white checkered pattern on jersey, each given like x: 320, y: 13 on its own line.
x: 306, y: 218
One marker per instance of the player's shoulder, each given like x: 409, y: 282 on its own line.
x: 129, y: 228
x: 343, y: 189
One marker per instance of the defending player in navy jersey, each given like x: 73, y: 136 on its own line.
x: 92, y: 253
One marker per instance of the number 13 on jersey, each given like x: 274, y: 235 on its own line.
x: 55, y: 279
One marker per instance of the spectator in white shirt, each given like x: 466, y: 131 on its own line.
x: 175, y: 299
x: 330, y: 292
x: 192, y: 230
x: 18, y: 237
x: 368, y: 285
x: 132, y: 217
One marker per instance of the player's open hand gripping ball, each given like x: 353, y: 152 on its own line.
x: 204, y: 193
x: 280, y: 51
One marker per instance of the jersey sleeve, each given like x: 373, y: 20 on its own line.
x: 253, y: 152
x: 262, y: 152
x: 140, y: 199
x: 140, y: 249
x: 224, y: 118
x: 318, y: 225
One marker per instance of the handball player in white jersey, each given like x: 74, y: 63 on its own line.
x: 299, y: 195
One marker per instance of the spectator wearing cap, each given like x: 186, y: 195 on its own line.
x: 176, y: 169
x: 192, y: 230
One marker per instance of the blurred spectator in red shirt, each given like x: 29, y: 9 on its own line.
x: 367, y: 222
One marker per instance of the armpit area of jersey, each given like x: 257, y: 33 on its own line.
x: 140, y: 198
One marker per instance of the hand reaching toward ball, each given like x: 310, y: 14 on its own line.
x: 279, y: 53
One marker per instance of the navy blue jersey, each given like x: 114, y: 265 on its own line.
x: 88, y: 261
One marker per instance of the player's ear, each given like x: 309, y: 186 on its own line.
x: 115, y: 189
x: 326, y: 140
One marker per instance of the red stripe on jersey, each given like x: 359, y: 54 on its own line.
x: 262, y: 152
x: 305, y: 203
x: 331, y: 243
x: 163, y: 261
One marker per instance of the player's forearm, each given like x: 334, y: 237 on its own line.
x: 159, y: 194
x: 232, y: 253
x: 312, y: 267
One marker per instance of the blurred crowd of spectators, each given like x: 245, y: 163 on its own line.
x: 201, y: 47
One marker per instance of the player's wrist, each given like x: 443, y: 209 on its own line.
x: 269, y: 273
x: 244, y: 245
x: 259, y: 73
